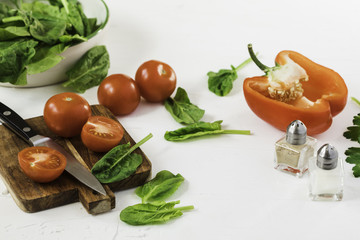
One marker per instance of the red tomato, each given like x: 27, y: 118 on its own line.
x: 119, y: 93
x: 100, y: 134
x: 156, y: 80
x: 66, y: 113
x: 42, y: 164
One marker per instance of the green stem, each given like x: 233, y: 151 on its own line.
x: 141, y: 142
x: 243, y: 132
x: 133, y: 148
x: 66, y: 6
x: 12, y: 19
x: 256, y: 60
x: 355, y: 100
x: 243, y: 64
x: 186, y: 208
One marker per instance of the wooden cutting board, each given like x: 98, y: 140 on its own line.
x: 33, y: 197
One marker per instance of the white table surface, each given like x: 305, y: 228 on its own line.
x: 230, y: 179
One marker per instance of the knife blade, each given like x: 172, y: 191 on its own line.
x: 19, y: 126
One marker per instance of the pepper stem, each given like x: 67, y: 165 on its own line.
x: 256, y: 60
x: 355, y: 100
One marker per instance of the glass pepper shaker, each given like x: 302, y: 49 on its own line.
x: 292, y: 152
x: 326, y: 175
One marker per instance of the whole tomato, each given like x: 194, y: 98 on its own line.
x: 41, y: 164
x: 119, y: 93
x: 66, y: 113
x: 101, y: 134
x: 156, y: 80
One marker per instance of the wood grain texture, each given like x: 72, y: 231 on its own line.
x: 33, y: 197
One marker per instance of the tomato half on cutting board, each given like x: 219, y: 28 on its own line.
x: 100, y: 134
x: 42, y: 164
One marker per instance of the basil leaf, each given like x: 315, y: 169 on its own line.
x: 182, y: 110
x: 152, y: 213
x: 200, y: 129
x: 119, y: 163
x: 159, y: 188
x: 89, y: 71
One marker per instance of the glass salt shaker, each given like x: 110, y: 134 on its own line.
x: 292, y: 152
x: 326, y: 172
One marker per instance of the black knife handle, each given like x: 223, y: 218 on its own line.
x: 15, y: 123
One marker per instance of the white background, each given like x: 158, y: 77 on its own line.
x: 230, y: 178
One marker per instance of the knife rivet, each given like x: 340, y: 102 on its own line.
x: 26, y: 129
x: 7, y: 113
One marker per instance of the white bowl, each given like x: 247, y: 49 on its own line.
x: 93, y: 9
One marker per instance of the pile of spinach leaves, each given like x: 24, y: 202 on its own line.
x: 34, y: 33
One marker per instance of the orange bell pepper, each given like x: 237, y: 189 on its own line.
x: 296, y: 88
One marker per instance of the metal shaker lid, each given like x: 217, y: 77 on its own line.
x: 296, y: 133
x: 327, y: 157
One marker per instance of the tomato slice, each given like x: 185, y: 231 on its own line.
x: 41, y: 164
x: 100, y: 134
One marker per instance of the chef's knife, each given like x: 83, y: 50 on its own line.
x: 18, y: 125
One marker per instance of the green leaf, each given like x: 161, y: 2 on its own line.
x: 45, y: 58
x: 353, y: 153
x: 182, y: 110
x: 13, y: 32
x: 159, y: 188
x: 353, y: 132
x: 48, y: 31
x: 152, y: 213
x: 90, y: 70
x: 72, y: 39
x: 119, y: 163
x: 200, y: 129
x: 75, y: 18
x: 221, y: 82
x: 14, y: 56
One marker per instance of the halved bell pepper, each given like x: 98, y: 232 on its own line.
x: 295, y: 89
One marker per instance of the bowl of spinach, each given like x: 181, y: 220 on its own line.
x: 40, y: 40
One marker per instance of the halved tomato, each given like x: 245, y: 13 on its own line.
x: 41, y: 164
x: 100, y: 134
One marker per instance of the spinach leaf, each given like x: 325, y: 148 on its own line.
x: 221, y: 82
x: 14, y: 56
x: 75, y: 18
x: 119, y: 163
x: 200, y: 129
x: 12, y: 32
x: 72, y: 39
x: 45, y: 58
x: 90, y: 70
x: 159, y: 188
x: 182, y: 110
x: 48, y: 31
x: 152, y: 213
